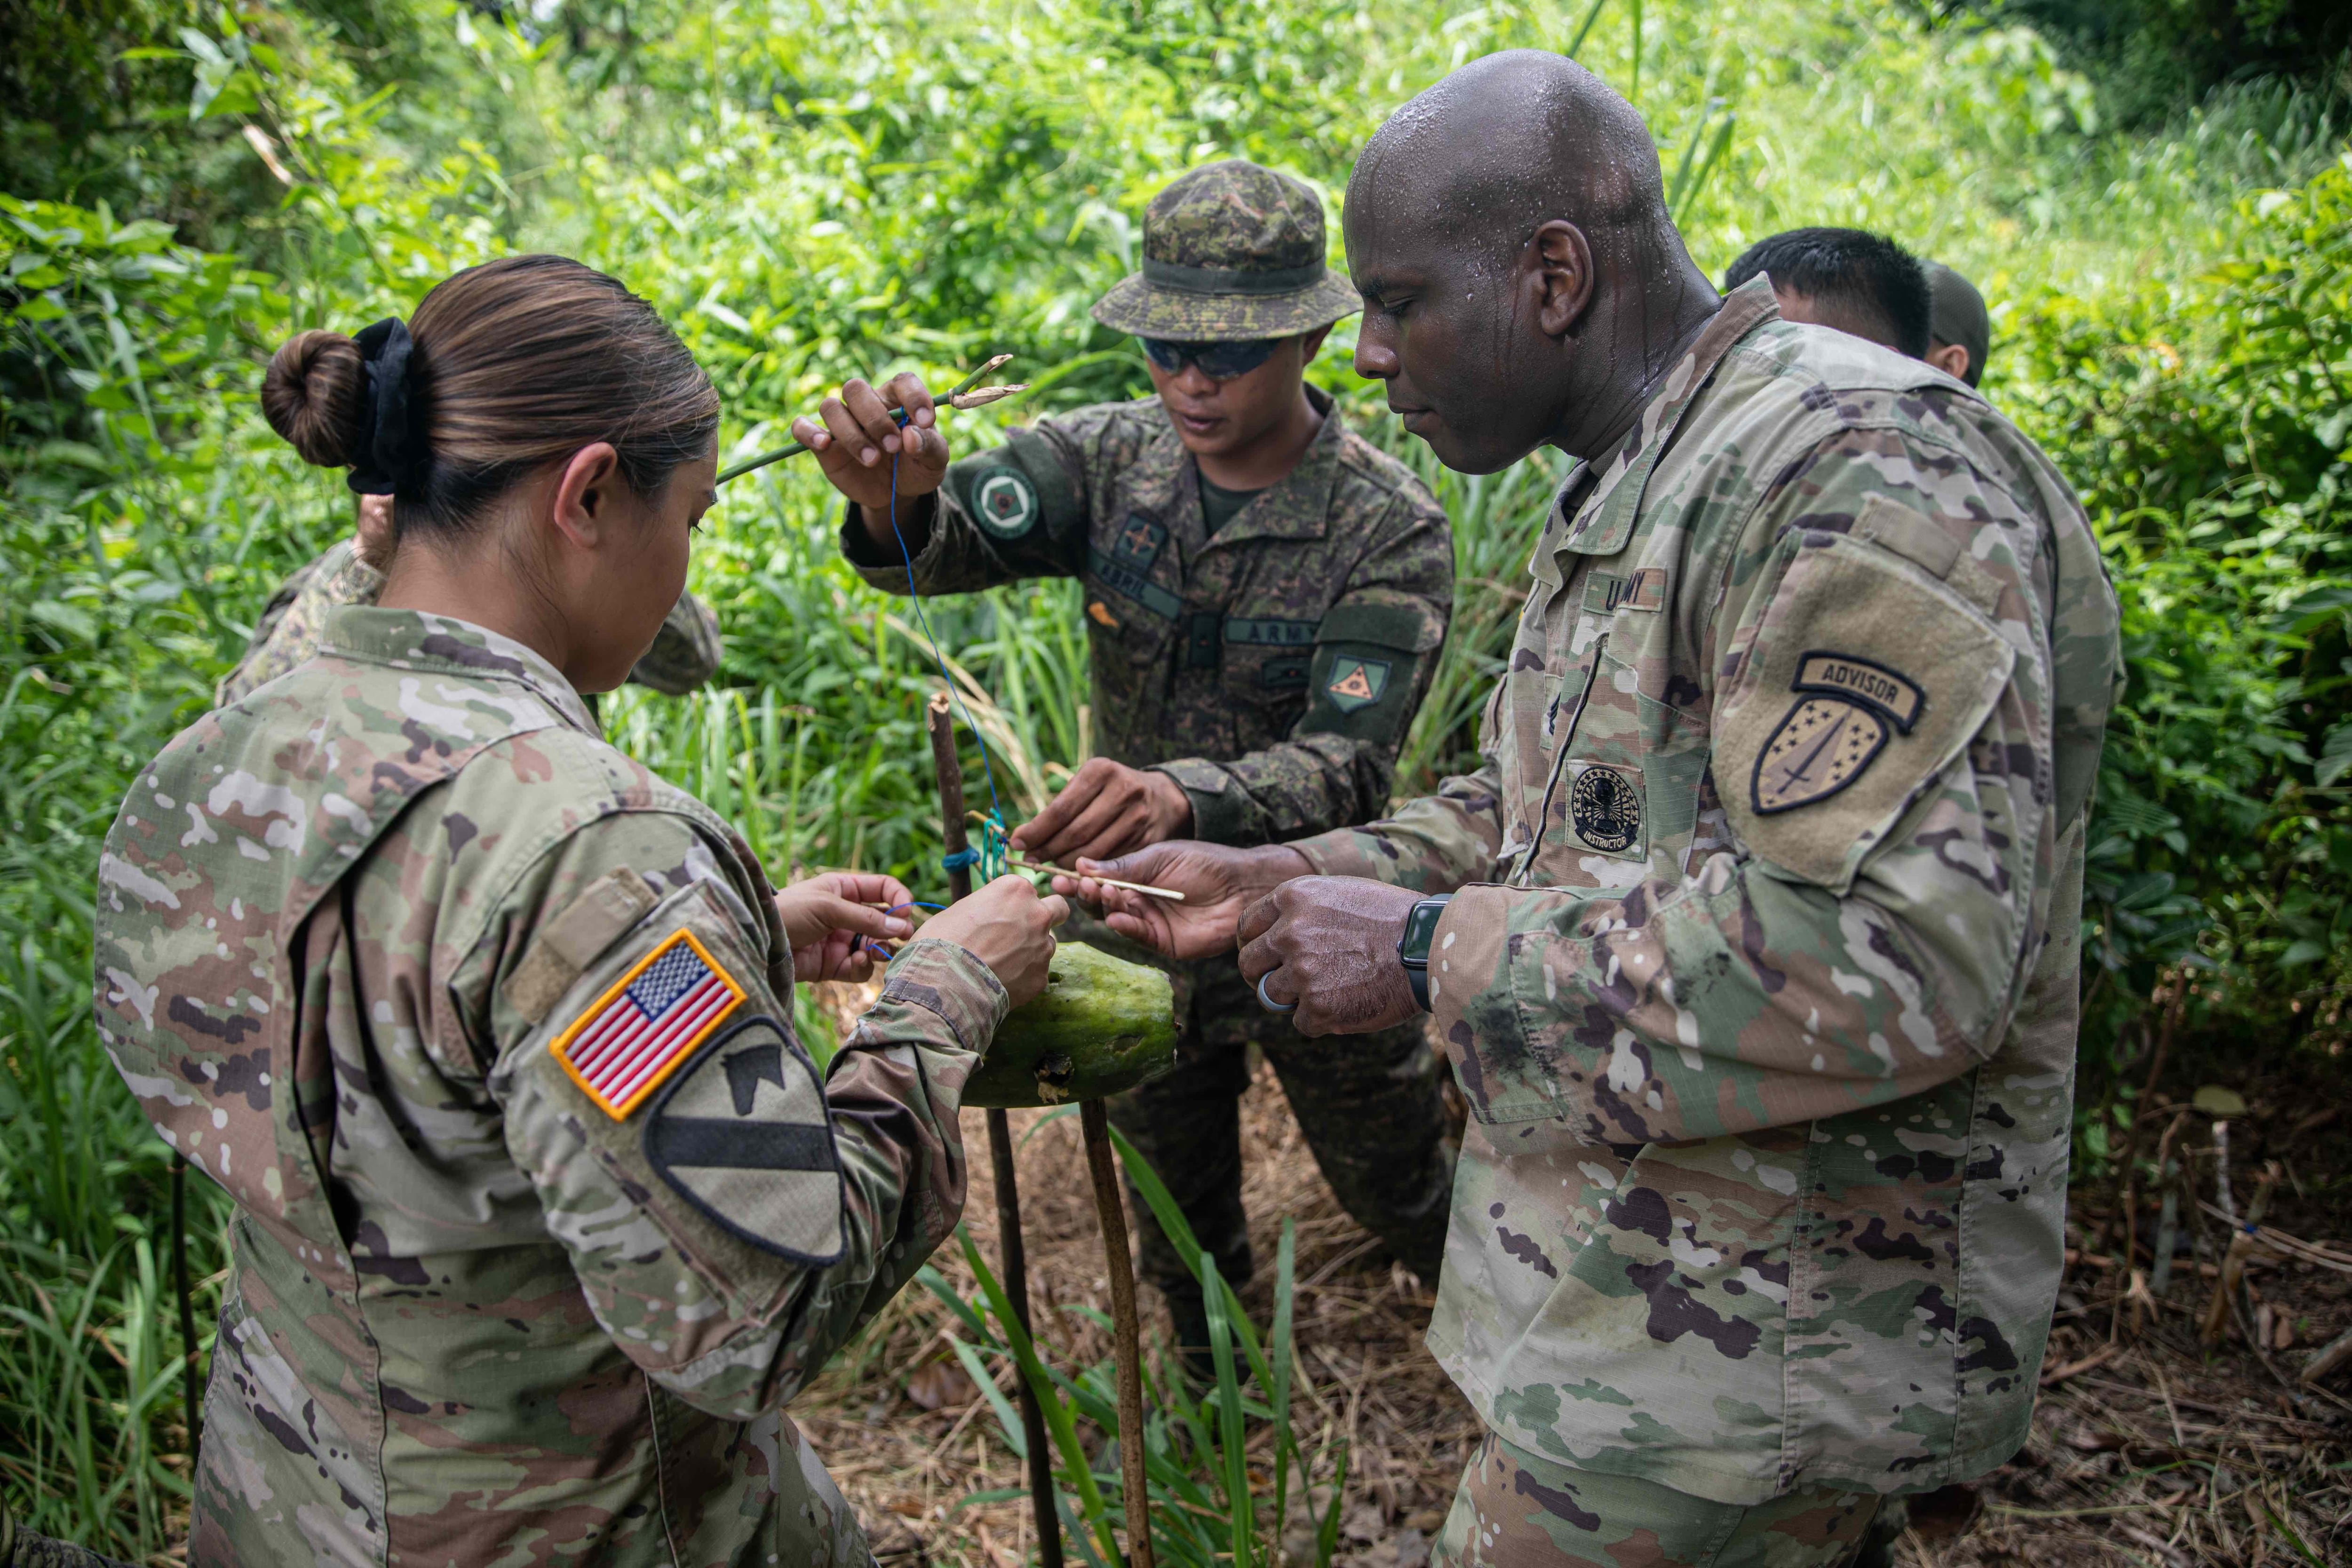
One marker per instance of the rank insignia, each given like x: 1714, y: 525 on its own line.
x: 1604, y: 806
x: 1846, y: 711
x: 1138, y: 541
x: 743, y: 1135
x: 637, y: 1034
x: 1005, y: 502
x: 1356, y: 683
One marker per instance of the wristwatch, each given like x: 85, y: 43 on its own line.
x: 1412, y: 947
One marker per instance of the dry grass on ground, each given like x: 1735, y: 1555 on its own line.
x: 2146, y: 1450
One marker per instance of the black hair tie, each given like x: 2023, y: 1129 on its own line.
x: 391, y: 457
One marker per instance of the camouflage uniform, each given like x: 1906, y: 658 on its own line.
x: 22, y: 1548
x: 542, y: 1214
x: 1760, y: 977
x: 1271, y: 670
x: 685, y: 653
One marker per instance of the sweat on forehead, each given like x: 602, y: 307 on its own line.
x: 1508, y: 142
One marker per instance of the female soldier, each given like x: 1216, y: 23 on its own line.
x: 542, y: 1213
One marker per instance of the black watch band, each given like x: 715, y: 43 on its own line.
x: 1412, y: 947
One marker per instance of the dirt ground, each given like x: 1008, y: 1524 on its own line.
x: 2149, y: 1447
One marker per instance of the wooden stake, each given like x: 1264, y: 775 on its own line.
x: 1013, y: 1259
x: 1126, y: 1334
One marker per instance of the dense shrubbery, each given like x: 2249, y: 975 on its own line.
x: 809, y: 195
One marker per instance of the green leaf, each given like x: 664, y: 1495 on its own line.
x: 2334, y: 756
x: 70, y: 619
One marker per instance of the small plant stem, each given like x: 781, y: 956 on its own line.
x: 1126, y: 1333
x: 1013, y: 1257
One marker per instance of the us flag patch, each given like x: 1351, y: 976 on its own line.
x: 622, y: 1049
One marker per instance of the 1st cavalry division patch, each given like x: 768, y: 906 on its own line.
x: 637, y: 1033
x: 742, y: 1134
x: 1835, y: 731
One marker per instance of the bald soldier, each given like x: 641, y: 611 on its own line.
x: 1753, y: 942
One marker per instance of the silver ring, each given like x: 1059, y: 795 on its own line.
x: 1268, y: 1002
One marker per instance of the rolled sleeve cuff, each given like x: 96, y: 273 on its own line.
x: 946, y: 981
x: 1469, y: 963
x: 1223, y: 811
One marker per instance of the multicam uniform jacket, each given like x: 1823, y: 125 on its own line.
x: 542, y: 1214
x: 684, y: 653
x: 1760, y: 971
x: 1271, y: 669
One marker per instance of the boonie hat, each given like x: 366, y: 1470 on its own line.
x: 1231, y: 252
x: 1957, y: 315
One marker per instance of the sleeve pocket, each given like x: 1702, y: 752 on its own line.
x: 1866, y: 680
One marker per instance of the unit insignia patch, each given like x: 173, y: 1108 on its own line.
x: 1845, y: 712
x: 743, y: 1135
x: 1604, y: 806
x: 1005, y: 502
x: 1356, y: 683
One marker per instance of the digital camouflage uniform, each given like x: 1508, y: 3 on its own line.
x: 684, y: 653
x: 1271, y: 670
x: 542, y: 1215
x: 1760, y: 977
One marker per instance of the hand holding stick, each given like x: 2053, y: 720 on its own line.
x: 964, y: 395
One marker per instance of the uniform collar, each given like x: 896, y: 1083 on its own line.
x: 410, y: 639
x: 1594, y: 511
x: 1166, y: 482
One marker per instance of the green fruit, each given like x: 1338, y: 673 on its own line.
x: 1100, y: 1026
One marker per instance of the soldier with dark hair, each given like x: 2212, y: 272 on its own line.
x: 684, y: 653
x: 542, y: 1212
x: 1858, y: 283
x: 1959, y: 329
x: 1266, y: 595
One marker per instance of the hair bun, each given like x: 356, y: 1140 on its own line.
x: 313, y: 396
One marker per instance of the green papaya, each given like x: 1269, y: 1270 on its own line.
x: 1101, y: 1024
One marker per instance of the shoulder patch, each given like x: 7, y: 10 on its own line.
x: 638, y: 1032
x: 1356, y: 683
x: 1005, y: 502
x: 744, y: 1134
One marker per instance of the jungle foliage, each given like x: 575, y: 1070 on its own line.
x: 810, y: 194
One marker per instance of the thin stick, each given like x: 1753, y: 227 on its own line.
x: 1126, y: 1334
x: 1144, y: 888
x: 960, y: 395
x: 1012, y: 1258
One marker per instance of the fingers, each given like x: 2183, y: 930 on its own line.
x: 1057, y: 908
x: 873, y: 414
x: 812, y: 435
x: 1257, y: 919
x: 905, y: 390
x: 1084, y: 786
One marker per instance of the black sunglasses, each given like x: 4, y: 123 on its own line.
x: 1218, y: 362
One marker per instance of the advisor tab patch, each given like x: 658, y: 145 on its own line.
x: 1356, y: 683
x: 1829, y: 738
x: 744, y: 1136
x: 637, y: 1033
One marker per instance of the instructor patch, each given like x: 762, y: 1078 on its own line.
x: 637, y: 1034
x: 1604, y: 806
x: 1837, y: 728
x: 744, y: 1136
x: 1005, y: 502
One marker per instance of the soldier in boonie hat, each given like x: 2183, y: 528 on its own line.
x: 1265, y: 593
x: 1232, y: 253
